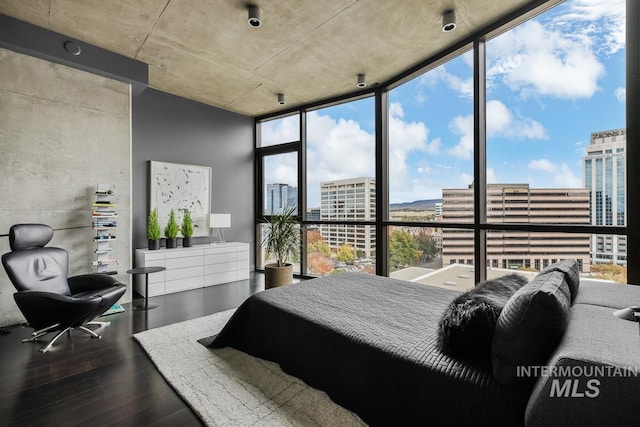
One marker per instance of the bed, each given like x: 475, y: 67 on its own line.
x: 369, y: 342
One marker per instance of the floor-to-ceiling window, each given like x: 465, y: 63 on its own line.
x: 507, y: 153
x: 556, y: 133
x: 341, y: 188
x: 278, y: 147
x: 430, y: 146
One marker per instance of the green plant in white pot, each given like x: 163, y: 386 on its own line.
x: 281, y: 241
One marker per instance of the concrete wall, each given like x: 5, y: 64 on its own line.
x: 62, y: 131
x: 169, y: 128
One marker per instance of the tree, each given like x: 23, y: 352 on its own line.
x: 346, y: 253
x: 315, y: 243
x: 403, y: 250
x: 427, y: 245
x: 319, y: 264
x: 313, y: 236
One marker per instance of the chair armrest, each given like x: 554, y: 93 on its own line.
x: 91, y: 282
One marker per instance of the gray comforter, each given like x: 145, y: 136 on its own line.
x: 370, y: 343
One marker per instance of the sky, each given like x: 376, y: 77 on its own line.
x: 551, y: 82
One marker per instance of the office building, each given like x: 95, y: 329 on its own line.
x: 349, y: 200
x: 280, y: 197
x: 604, y: 177
x: 518, y: 204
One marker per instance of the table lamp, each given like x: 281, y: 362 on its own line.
x: 219, y: 221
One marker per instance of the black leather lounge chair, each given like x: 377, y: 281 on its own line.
x: 47, y: 298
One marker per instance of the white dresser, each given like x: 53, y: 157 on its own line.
x: 191, y: 268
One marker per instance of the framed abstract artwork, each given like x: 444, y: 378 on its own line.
x: 179, y: 187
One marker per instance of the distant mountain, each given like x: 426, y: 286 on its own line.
x: 418, y: 205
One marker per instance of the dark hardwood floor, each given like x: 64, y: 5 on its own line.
x: 107, y: 382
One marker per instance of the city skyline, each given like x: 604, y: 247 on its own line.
x: 551, y: 82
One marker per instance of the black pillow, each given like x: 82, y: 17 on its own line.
x: 466, y: 327
x: 530, y: 327
x: 568, y: 267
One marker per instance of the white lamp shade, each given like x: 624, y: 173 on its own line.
x: 217, y: 220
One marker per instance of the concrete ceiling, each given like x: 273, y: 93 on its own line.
x: 310, y: 50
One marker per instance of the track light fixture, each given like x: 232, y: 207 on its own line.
x: 255, y: 16
x: 362, y: 80
x: 449, y: 21
x: 281, y: 100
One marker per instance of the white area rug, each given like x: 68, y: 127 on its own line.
x: 226, y: 387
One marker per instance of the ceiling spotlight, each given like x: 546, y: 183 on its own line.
x: 281, y: 100
x: 255, y: 16
x: 449, y: 21
x: 362, y: 80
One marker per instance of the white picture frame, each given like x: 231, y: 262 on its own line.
x: 180, y: 186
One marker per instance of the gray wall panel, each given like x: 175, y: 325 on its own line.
x: 168, y: 128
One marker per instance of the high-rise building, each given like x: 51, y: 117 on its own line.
x: 605, y: 178
x: 313, y: 214
x: 351, y: 199
x: 517, y: 203
x: 280, y: 197
x: 437, y: 211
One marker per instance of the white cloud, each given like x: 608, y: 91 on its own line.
x: 491, y: 176
x: 464, y: 180
x: 621, y: 94
x: 463, y: 126
x: 561, y: 174
x: 406, y: 139
x: 543, y: 165
x: 610, y: 13
x: 440, y: 75
x: 337, y: 149
x: 282, y: 169
x: 533, y: 60
x: 501, y: 122
x: 280, y: 131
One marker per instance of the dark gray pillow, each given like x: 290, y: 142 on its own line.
x: 530, y: 327
x: 466, y: 327
x: 568, y: 267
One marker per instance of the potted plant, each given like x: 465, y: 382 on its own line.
x: 153, y: 230
x: 171, y: 230
x: 186, y: 229
x: 281, y: 240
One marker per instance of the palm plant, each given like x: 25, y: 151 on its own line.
x: 281, y: 238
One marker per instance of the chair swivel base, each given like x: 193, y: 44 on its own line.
x: 42, y: 332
